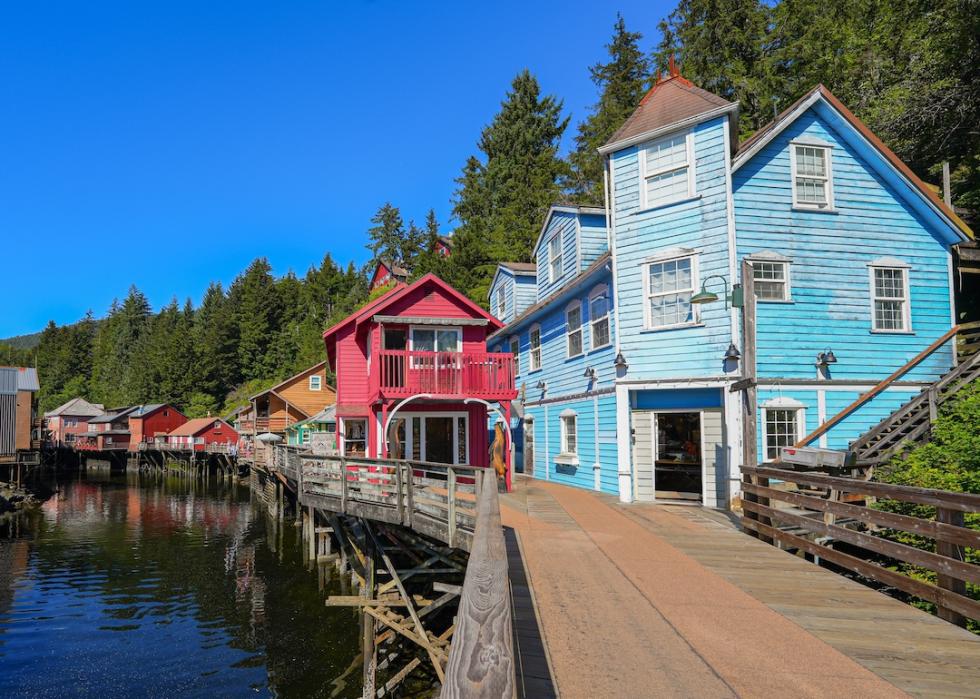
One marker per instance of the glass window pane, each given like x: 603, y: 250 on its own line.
x: 424, y: 340
x: 448, y: 341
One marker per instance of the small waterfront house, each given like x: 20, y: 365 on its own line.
x: 107, y: 432
x: 18, y: 409
x: 297, y: 398
x: 386, y: 273
x: 626, y: 378
x: 70, y: 419
x: 203, y: 434
x: 413, y: 365
x: 148, y: 422
x: 324, y: 422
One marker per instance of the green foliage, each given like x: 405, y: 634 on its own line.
x: 200, y: 405
x: 238, y: 398
x: 621, y: 83
x: 388, y: 241
x: 949, y: 461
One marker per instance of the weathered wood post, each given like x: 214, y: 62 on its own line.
x: 368, y: 630
x: 956, y: 552
x: 750, y: 456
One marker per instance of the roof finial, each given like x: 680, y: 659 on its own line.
x: 672, y: 66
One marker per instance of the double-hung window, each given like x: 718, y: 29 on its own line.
x: 666, y: 171
x: 599, y: 317
x: 783, y: 428
x: 569, y: 434
x: 771, y: 280
x: 812, y: 183
x: 573, y: 329
x: 669, y: 286
x: 355, y: 437
x: 890, y: 299
x: 515, y: 349
x: 501, y: 303
x: 534, y: 341
x: 316, y: 383
x: 554, y: 259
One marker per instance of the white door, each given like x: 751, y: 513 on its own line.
x: 643, y: 450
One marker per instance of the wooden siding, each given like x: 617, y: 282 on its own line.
x: 592, y: 447
x: 505, y: 281
x: 525, y: 293
x: 297, y: 392
x: 520, y: 292
x: 715, y: 458
x: 830, y: 253
x: 25, y: 415
x: 162, y: 420
x: 594, y: 239
x: 699, y: 224
x: 565, y: 225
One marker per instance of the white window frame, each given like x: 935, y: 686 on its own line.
x: 601, y: 291
x: 828, y: 179
x: 554, y: 258
x: 787, y: 288
x: 435, y: 338
x: 906, y: 299
x: 574, y: 306
x: 501, y: 302
x: 647, y: 295
x: 782, y: 404
x: 534, y: 363
x: 316, y: 382
x: 566, y: 455
x: 411, y: 438
x: 514, y: 345
x: 645, y: 175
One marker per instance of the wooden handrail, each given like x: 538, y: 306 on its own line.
x: 481, y: 656
x: 864, y: 398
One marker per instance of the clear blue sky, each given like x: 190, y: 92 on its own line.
x: 166, y: 144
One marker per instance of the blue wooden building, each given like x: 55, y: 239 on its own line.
x: 626, y: 381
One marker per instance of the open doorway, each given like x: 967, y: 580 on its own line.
x: 678, y: 462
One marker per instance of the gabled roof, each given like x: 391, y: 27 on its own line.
x: 328, y: 414
x: 142, y: 411
x: 446, y: 240
x: 193, y: 427
x: 565, y: 209
x: 113, y: 416
x: 26, y: 378
x: 573, y: 285
x: 671, y: 102
x: 820, y: 94
x: 76, y: 407
x: 396, y: 270
x: 274, y: 389
x: 522, y: 269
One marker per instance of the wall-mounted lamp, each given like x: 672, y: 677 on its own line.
x: 620, y: 361
x: 732, y: 353
x: 826, y: 358
x: 590, y: 373
x: 541, y: 385
x: 736, y: 298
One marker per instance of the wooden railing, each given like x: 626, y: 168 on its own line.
x: 486, y: 375
x: 264, y: 424
x: 968, y: 339
x: 810, y: 511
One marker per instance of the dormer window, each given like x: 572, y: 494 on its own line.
x: 554, y: 259
x: 666, y: 174
x: 812, y: 180
x: 501, y: 302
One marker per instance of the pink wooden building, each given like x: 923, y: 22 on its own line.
x: 413, y: 364
x: 67, y: 421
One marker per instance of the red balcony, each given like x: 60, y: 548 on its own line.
x: 404, y: 373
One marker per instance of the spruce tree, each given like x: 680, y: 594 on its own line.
x: 256, y: 311
x: 215, y: 336
x: 387, y: 236
x: 621, y: 82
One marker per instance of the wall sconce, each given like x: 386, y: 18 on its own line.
x: 732, y: 353
x: 826, y: 358
x: 541, y: 385
x: 620, y: 361
x: 590, y: 373
x: 737, y: 298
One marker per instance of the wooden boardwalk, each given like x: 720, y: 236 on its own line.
x: 653, y: 600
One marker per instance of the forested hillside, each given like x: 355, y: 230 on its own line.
x: 909, y: 68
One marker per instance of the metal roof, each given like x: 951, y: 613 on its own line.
x: 112, y: 417
x: 142, y: 410
x: 77, y: 407
x: 8, y: 381
x: 25, y: 377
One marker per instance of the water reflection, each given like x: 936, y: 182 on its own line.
x: 149, y: 586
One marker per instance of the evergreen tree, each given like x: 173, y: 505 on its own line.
x: 621, y: 83
x: 387, y: 236
x: 256, y: 310
x: 429, y: 259
x: 501, y: 199
x: 215, y: 342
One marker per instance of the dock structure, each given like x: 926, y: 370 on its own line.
x: 663, y: 600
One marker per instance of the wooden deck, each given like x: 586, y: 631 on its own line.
x: 655, y: 600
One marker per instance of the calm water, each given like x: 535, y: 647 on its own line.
x: 127, y: 586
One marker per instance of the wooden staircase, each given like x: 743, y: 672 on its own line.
x: 912, y: 423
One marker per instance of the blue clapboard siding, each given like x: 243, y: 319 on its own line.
x: 563, y: 375
x: 830, y: 253
x: 564, y: 225
x: 525, y: 294
x: 594, y: 239
x: 699, y: 224
x: 592, y: 447
x: 504, y: 279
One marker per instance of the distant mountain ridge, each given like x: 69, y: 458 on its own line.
x: 23, y: 341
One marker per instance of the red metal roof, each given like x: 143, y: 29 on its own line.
x: 671, y: 100
x: 192, y: 427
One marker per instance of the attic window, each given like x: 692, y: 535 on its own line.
x: 316, y: 383
x: 501, y: 303
x: 554, y: 259
x: 666, y: 174
x: 812, y: 180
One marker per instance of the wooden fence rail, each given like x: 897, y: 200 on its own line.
x: 968, y: 340
x: 801, y: 518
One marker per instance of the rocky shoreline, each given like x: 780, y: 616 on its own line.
x: 15, y: 499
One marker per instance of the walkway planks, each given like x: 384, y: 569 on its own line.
x: 647, y: 600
